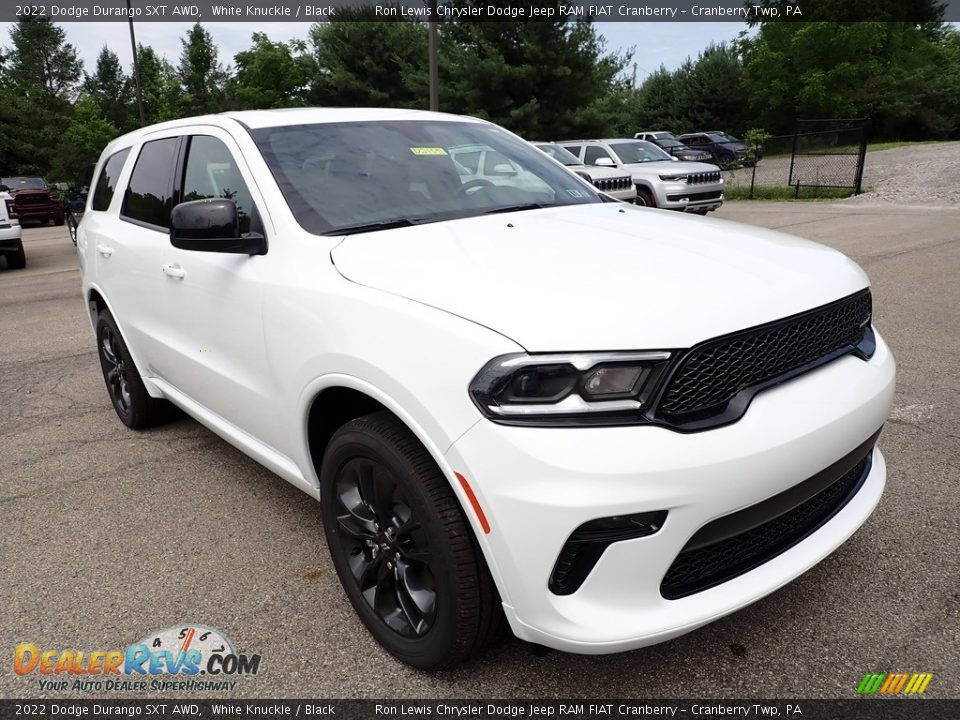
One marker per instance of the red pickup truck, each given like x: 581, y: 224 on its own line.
x: 33, y: 200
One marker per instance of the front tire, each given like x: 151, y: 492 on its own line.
x: 645, y: 198
x: 402, y: 547
x: 131, y: 401
x: 17, y: 260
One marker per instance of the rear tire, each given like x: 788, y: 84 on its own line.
x: 17, y: 260
x: 403, y: 550
x: 130, y: 399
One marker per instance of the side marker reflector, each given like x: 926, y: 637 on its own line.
x: 474, y: 503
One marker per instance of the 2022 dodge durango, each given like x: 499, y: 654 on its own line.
x: 599, y: 424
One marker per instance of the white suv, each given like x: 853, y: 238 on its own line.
x: 662, y: 181
x: 603, y: 425
x: 11, y: 241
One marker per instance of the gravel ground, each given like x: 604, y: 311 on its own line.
x: 921, y: 174
x: 918, y: 174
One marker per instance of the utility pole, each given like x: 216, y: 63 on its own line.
x: 136, y: 66
x: 433, y: 45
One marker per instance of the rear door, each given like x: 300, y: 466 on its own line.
x: 124, y: 233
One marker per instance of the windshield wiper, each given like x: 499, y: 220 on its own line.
x: 518, y: 208
x: 370, y: 227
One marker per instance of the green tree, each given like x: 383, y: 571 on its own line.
x: 160, y: 86
x: 39, y: 78
x: 366, y: 63
x: 201, y: 75
x: 821, y: 68
x: 111, y: 90
x: 83, y: 141
x: 272, y: 74
x: 542, y: 80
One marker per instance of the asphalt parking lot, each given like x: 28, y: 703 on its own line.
x: 109, y: 534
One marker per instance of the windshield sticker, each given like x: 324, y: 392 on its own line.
x: 573, y: 192
x: 428, y: 151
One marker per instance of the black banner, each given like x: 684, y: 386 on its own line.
x: 264, y: 11
x: 854, y: 709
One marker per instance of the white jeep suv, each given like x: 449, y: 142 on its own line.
x: 602, y: 425
x: 662, y: 181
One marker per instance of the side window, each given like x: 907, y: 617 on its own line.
x: 496, y: 163
x: 107, y: 182
x: 149, y: 197
x: 470, y: 160
x: 575, y: 149
x: 211, y: 172
x: 594, y: 153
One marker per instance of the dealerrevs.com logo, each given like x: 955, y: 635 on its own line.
x: 898, y: 683
x: 172, y: 659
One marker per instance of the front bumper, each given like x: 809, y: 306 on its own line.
x: 537, y: 485
x: 36, y: 212
x: 689, y: 198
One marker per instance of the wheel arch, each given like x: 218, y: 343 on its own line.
x: 346, y: 397
x: 96, y: 303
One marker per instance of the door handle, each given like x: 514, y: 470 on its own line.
x: 174, y: 271
x: 105, y: 250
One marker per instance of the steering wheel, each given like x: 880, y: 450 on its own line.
x: 474, y: 185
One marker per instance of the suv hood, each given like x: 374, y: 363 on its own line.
x: 602, y: 173
x: 671, y: 167
x: 601, y: 277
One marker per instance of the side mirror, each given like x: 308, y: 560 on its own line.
x: 213, y: 226
x: 675, y: 158
x: 504, y: 169
x: 4, y: 188
x: 604, y: 162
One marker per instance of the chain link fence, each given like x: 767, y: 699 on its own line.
x: 822, y: 158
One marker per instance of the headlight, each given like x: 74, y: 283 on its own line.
x: 568, y: 389
x: 674, y: 178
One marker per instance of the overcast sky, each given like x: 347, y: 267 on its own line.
x: 654, y: 43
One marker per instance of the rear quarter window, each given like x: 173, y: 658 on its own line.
x: 106, y: 184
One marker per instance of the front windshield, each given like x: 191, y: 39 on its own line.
x: 356, y: 176
x: 638, y: 151
x: 561, y: 155
x: 24, y: 183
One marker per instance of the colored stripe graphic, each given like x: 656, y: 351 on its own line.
x: 894, y: 683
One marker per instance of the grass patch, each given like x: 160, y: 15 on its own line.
x: 773, y: 192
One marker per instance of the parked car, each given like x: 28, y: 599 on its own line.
x: 11, y: 241
x: 661, y: 181
x: 757, y: 150
x: 614, y: 183
x: 669, y: 143
x: 34, y: 199
x: 532, y: 406
x: 725, y: 152
x: 75, y: 204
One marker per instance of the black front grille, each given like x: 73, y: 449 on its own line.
x: 703, y: 177
x: 699, y: 567
x: 32, y: 199
x: 711, y: 376
x: 608, y: 184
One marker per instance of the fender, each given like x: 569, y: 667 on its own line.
x: 315, y: 387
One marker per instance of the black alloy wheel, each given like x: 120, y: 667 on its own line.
x: 130, y: 399
x: 115, y: 372
x: 386, y: 547
x: 402, y: 547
